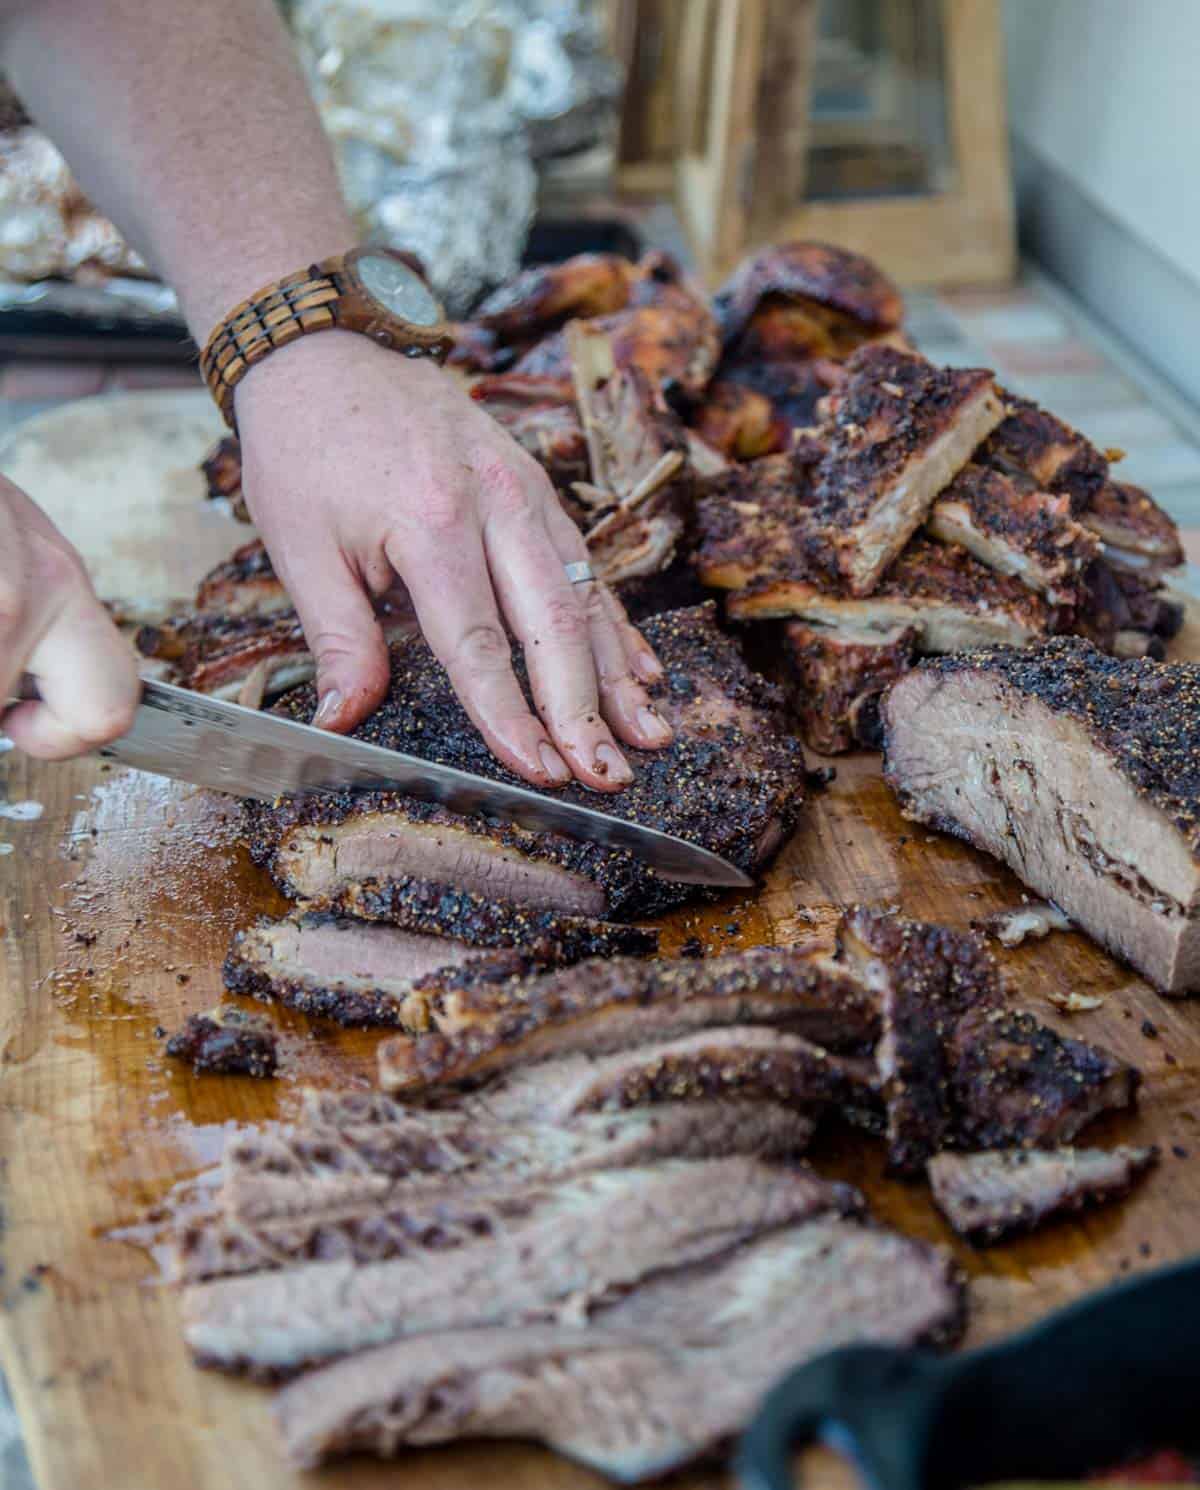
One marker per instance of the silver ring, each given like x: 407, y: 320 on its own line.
x: 579, y: 572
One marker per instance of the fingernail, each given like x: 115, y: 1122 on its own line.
x: 611, y: 763
x: 553, y: 764
x: 331, y: 702
x: 653, y: 725
x: 647, y: 667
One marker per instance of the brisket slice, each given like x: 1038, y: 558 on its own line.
x: 430, y: 1148
x: 926, y: 978
x: 733, y: 1063
x: 600, y: 1007
x: 364, y: 974
x: 732, y: 780
x: 659, y: 1378
x: 577, y: 1241
x: 1081, y: 772
x: 358, y: 1194
x: 901, y: 431
x: 1015, y: 1082
x: 987, y: 1196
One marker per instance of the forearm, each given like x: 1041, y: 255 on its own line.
x: 190, y: 125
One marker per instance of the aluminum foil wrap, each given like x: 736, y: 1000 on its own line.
x: 437, y: 109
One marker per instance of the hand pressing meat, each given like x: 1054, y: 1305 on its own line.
x: 192, y: 128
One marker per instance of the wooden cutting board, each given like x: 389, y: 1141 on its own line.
x: 116, y: 906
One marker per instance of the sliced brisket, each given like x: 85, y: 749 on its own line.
x: 661, y: 1377
x: 577, y: 1241
x: 838, y: 676
x: 1081, y: 772
x: 382, y: 1190
x: 926, y: 978
x: 734, y: 1063
x: 599, y: 1007
x: 987, y: 1196
x: 361, y: 973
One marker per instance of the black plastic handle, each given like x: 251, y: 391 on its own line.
x: 1113, y: 1374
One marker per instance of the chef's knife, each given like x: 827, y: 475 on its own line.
x: 205, y: 741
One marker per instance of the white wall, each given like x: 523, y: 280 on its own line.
x: 1109, y: 92
x: 1104, y: 100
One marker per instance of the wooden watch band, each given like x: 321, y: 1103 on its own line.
x: 275, y: 316
x: 318, y: 298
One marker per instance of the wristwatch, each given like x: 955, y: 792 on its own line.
x: 376, y: 291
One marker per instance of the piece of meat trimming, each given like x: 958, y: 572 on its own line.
x: 991, y: 1195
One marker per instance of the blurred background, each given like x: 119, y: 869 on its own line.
x: 1020, y: 166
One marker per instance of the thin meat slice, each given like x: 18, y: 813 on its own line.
x: 991, y: 1195
x: 600, y: 1007
x: 926, y: 978
x: 1015, y: 1082
x: 380, y: 1192
x: 1013, y: 528
x: 426, y: 1148
x: 901, y: 431
x: 732, y: 781
x: 838, y: 676
x: 659, y: 1378
x: 1081, y: 772
x: 746, y: 1065
x: 361, y: 973
x: 578, y: 1241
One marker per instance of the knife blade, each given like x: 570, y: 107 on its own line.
x: 208, y: 742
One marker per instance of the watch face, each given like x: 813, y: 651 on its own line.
x: 398, y: 289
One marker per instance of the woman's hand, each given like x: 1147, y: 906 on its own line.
x: 52, y: 626
x: 361, y: 466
